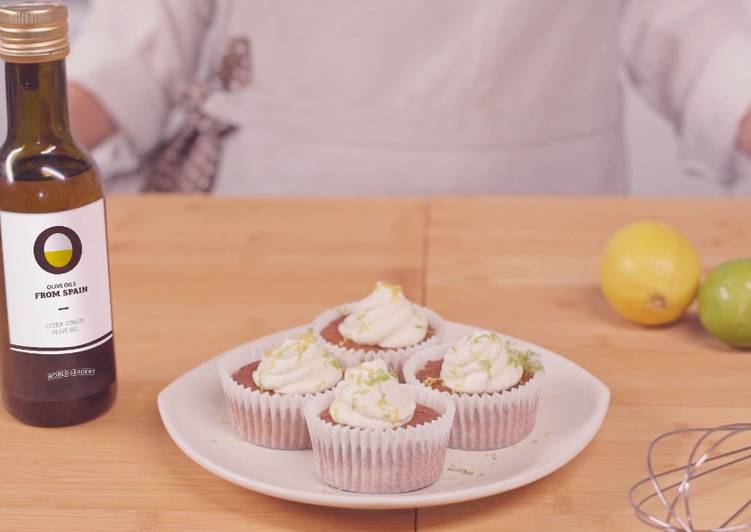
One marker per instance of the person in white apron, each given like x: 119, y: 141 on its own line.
x: 418, y: 97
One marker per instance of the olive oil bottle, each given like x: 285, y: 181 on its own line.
x: 56, y: 341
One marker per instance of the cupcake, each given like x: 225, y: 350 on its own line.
x: 375, y: 435
x: 384, y: 325
x: 267, y: 386
x: 494, y: 386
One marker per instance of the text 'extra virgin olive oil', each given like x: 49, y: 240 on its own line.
x: 56, y: 342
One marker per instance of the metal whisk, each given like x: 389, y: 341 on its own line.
x: 675, y: 496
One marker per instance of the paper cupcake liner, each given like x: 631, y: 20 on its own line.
x: 484, y: 421
x: 270, y: 420
x: 381, y: 460
x: 395, y: 358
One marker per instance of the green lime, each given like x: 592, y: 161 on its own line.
x: 725, y: 303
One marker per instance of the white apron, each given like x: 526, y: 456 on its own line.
x: 423, y: 97
x: 427, y: 96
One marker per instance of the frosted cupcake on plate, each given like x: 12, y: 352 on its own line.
x: 375, y: 435
x: 385, y: 325
x: 267, y: 386
x: 494, y: 385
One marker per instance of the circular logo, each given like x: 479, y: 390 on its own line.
x: 58, y: 249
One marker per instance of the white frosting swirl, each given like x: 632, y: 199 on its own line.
x: 299, y: 365
x: 371, y: 397
x: 480, y: 363
x: 385, y: 318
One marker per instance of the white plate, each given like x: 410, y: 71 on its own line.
x: 572, y: 409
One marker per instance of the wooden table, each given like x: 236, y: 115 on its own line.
x: 193, y: 276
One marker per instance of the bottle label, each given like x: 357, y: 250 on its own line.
x: 58, y: 303
x: 57, y: 281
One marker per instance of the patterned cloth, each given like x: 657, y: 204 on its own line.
x: 189, y: 161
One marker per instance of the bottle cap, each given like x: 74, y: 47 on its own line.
x: 33, y: 32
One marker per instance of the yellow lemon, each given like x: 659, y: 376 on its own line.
x: 650, y: 273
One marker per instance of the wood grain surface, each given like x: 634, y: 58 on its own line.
x: 193, y: 276
x: 529, y: 267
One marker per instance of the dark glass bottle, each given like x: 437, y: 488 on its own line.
x: 56, y: 341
